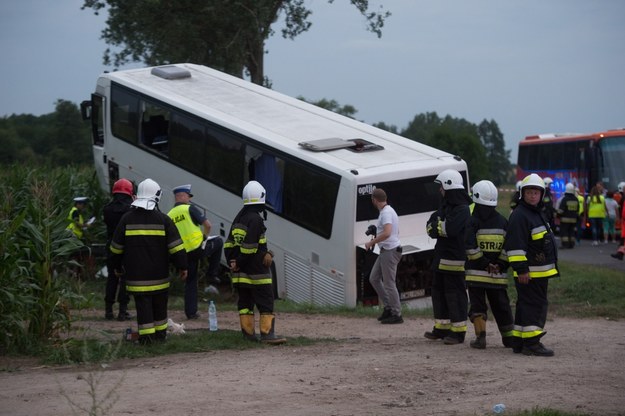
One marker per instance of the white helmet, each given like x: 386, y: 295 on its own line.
x: 253, y: 193
x: 533, y: 180
x: 485, y: 193
x: 148, y: 195
x: 450, y: 179
x: 547, y: 181
x: 569, y: 188
x: 620, y: 186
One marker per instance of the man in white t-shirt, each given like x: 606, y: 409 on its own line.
x: 382, y: 276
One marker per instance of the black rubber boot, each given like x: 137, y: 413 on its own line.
x: 436, y: 333
x: 537, y: 349
x: 454, y: 338
x: 108, y: 311
x: 507, y: 342
x: 479, y: 342
x: 618, y: 255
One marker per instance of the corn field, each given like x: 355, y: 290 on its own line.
x: 38, y: 278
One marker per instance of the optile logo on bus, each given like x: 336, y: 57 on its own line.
x: 366, y: 189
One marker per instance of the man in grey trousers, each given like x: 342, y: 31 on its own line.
x: 382, y: 276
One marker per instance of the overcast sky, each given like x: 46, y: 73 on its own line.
x: 537, y: 66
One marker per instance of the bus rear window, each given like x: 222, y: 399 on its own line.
x: 407, y: 196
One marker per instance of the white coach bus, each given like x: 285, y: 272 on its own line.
x: 187, y: 123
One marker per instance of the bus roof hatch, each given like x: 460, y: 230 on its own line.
x: 171, y: 72
x: 334, y: 143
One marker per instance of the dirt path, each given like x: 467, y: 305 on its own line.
x: 373, y: 369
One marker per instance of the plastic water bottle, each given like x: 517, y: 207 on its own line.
x: 499, y: 408
x: 212, y: 316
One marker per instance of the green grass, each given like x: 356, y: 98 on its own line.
x: 587, y: 291
x: 109, y: 346
x: 581, y: 292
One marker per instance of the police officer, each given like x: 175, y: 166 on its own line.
x: 76, y: 221
x: 195, y: 229
x: 532, y: 253
x: 448, y: 225
x: 113, y: 211
x: 486, y: 266
x: 144, y: 243
x: 250, y: 262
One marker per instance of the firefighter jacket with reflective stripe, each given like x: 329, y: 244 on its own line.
x: 568, y: 209
x: 190, y: 232
x: 74, y: 214
x: 530, y: 243
x: 547, y: 204
x: 484, y: 246
x: 448, y: 225
x: 143, y: 244
x: 247, y: 244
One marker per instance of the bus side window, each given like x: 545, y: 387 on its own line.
x: 155, y: 133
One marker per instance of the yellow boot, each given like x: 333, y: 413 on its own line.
x: 480, y: 330
x: 247, y: 326
x: 267, y: 335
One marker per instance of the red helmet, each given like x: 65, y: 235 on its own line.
x: 123, y: 186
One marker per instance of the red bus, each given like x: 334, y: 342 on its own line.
x: 583, y: 159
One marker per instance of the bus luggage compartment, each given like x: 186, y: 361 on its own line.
x: 413, y: 279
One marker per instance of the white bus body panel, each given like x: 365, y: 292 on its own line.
x: 309, y: 268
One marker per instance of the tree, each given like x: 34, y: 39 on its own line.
x: 69, y: 135
x: 57, y: 138
x: 346, y: 110
x: 453, y: 135
x: 228, y: 35
x: 500, y: 169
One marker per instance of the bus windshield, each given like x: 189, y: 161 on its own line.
x: 613, y: 154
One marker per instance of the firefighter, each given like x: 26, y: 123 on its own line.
x: 568, y: 213
x: 250, y: 262
x: 144, y: 243
x: 548, y: 203
x: 581, y: 216
x: 486, y: 266
x: 195, y: 229
x: 532, y: 253
x: 113, y: 211
x: 448, y: 225
x: 514, y: 201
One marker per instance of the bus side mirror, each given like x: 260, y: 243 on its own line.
x: 85, y: 109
